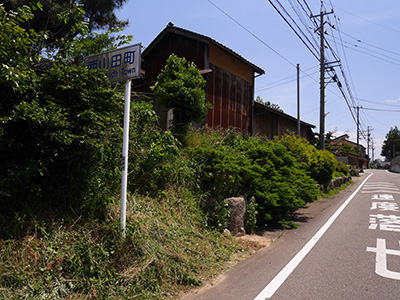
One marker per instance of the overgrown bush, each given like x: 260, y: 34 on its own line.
x: 232, y: 166
x: 155, y: 159
x: 180, y: 87
x: 58, y: 143
x: 342, y: 169
x: 60, y: 131
x: 319, y: 164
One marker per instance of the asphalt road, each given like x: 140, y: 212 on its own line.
x: 349, y: 248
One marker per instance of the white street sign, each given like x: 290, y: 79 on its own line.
x: 118, y: 65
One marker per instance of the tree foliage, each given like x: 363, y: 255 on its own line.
x: 392, y: 144
x: 59, y: 139
x: 269, y: 104
x: 180, y: 87
x: 57, y: 18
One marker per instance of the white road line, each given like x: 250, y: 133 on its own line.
x: 379, y: 183
x: 369, y: 187
x: 379, y: 191
x: 279, y: 279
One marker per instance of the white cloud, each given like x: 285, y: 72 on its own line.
x: 393, y: 100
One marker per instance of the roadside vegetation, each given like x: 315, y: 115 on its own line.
x: 60, y: 149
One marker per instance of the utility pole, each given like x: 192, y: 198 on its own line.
x: 322, y: 86
x: 369, y: 129
x: 358, y: 126
x: 368, y: 139
x: 298, y: 99
x: 322, y: 78
x: 373, y: 149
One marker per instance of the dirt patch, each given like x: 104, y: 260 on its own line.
x: 262, y: 238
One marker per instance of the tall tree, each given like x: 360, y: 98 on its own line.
x: 392, y: 143
x: 49, y: 15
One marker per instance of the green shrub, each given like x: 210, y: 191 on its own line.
x: 326, y: 166
x: 251, y: 215
x: 180, y: 87
x: 342, y: 168
x: 280, y: 187
x: 253, y: 167
x: 319, y: 164
x: 155, y: 160
x: 58, y: 143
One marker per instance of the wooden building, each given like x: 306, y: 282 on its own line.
x: 271, y: 122
x: 230, y: 77
x: 230, y: 83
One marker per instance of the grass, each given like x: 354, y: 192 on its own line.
x: 167, y: 251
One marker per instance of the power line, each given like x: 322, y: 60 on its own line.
x: 384, y: 57
x: 309, y: 44
x: 256, y: 37
x: 338, y: 25
x: 251, y: 33
x: 385, y: 125
x: 368, y: 44
x: 372, y: 22
x: 280, y: 83
x: 374, y: 102
x: 372, y: 55
x: 378, y: 109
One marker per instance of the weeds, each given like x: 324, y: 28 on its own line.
x: 166, y: 250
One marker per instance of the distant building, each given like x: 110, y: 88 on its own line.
x: 359, y: 161
x: 271, y: 122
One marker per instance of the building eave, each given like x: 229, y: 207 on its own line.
x: 282, y: 114
x: 201, y: 38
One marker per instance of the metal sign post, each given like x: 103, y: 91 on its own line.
x: 125, y: 148
x: 120, y: 65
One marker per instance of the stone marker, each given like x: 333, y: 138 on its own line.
x: 237, y: 206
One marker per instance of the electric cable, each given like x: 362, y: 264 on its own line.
x: 372, y: 22
x: 251, y: 33
x: 290, y: 25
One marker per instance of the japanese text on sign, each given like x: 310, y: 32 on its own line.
x: 118, y: 65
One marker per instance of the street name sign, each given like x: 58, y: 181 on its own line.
x: 118, y: 65
x: 122, y: 64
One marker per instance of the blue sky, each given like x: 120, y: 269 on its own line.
x: 366, y: 39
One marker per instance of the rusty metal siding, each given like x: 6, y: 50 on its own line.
x: 231, y: 98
